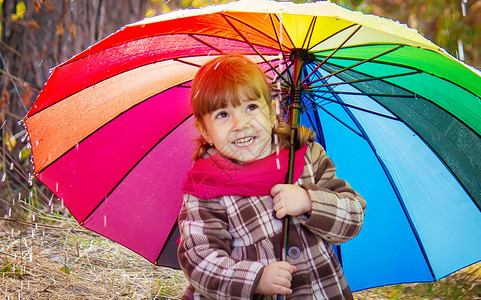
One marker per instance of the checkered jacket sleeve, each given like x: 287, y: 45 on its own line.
x: 337, y: 210
x: 205, y: 252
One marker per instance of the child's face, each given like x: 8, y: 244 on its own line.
x: 242, y: 133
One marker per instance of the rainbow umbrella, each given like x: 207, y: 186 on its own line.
x: 111, y: 131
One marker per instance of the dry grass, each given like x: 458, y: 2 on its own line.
x: 51, y: 257
x: 54, y: 258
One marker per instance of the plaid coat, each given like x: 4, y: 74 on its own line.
x: 227, y: 241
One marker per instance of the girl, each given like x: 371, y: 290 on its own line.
x: 234, y: 197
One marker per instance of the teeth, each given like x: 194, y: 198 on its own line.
x: 244, y: 141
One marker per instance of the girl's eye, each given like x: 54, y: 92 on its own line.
x: 252, y: 107
x: 221, y: 115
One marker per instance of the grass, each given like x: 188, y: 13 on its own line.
x: 54, y: 258
x: 46, y: 255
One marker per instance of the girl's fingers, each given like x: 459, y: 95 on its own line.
x: 276, y: 198
x: 276, y: 189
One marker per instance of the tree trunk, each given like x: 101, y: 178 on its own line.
x: 33, y: 41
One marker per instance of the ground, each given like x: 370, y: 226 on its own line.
x: 49, y: 256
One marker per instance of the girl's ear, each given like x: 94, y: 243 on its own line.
x: 200, y: 127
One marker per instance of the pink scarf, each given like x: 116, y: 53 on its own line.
x: 217, y: 176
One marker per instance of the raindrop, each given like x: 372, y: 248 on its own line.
x: 105, y: 220
x: 33, y: 233
x: 278, y: 163
x: 11, y: 234
x: 62, y: 203
x: 24, y: 137
x: 461, y: 50
x: 11, y: 166
x: 56, y: 186
x: 463, y: 8
x: 33, y: 217
x: 4, y: 176
x: 9, y: 212
x: 76, y: 146
x: 30, y: 179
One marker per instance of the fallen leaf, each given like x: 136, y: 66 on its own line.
x: 50, y: 6
x: 73, y: 31
x: 60, y: 29
x: 32, y: 24
x: 27, y: 95
x: 38, y: 5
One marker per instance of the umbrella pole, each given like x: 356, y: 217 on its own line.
x: 293, y: 119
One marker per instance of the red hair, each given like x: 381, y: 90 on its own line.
x: 228, y: 79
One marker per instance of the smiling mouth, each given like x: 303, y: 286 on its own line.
x: 244, y: 141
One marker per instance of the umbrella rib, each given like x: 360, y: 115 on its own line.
x: 226, y: 17
x: 207, y: 44
x: 394, y: 187
x: 310, y: 32
x: 187, y: 62
x: 318, y: 127
x: 280, y: 45
x: 401, y: 65
x: 358, y: 63
x: 333, y: 116
x: 332, y: 53
x: 132, y: 168
x: 364, y: 94
x: 254, y: 48
x: 365, y: 79
x: 355, y: 107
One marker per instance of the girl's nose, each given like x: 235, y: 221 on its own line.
x: 241, y: 122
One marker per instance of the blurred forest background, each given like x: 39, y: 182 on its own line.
x: 37, y: 35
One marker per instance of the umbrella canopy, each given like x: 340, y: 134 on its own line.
x: 111, y: 132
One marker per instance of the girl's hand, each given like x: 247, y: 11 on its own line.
x: 290, y: 200
x: 276, y: 279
